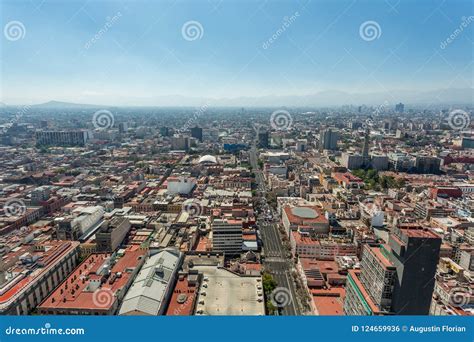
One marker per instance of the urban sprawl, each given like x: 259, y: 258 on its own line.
x: 356, y: 210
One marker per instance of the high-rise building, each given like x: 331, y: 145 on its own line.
x: 111, y: 234
x: 62, y: 138
x: 369, y: 291
x: 263, y: 139
x: 400, y: 107
x: 227, y: 236
x: 180, y: 142
x: 365, y: 147
x: 352, y: 161
x: 427, y: 164
x: 328, y: 139
x: 196, y: 132
x: 415, y: 255
x: 123, y: 126
x: 395, y: 279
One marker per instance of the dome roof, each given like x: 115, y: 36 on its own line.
x: 208, y: 159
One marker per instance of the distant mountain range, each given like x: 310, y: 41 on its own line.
x: 59, y: 105
x: 451, y: 96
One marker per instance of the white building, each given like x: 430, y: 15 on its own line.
x: 223, y: 292
x: 82, y: 221
x: 182, y: 185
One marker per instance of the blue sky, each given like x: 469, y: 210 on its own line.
x: 143, y: 54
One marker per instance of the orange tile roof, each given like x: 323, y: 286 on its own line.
x: 73, y: 294
x: 183, y: 298
x: 328, y: 306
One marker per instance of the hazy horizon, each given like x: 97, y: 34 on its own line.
x: 143, y: 53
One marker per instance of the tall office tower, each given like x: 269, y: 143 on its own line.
x: 369, y: 290
x: 397, y: 278
x: 328, y: 139
x: 415, y: 255
x: 263, y: 139
x: 196, y: 132
x: 365, y: 147
x: 400, y: 108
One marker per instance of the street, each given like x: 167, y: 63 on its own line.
x: 276, y: 261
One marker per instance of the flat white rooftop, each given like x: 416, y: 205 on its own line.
x: 225, y: 293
